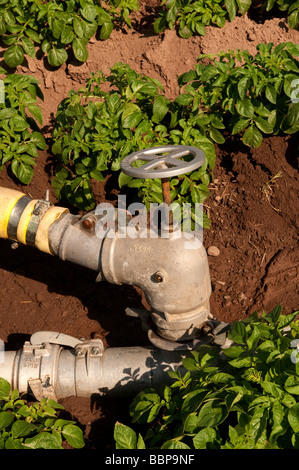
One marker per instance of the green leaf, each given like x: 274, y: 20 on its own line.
x: 293, y: 417
x: 274, y: 315
x: 290, y: 123
x: 258, y: 423
x: 184, y: 99
x: 44, y: 440
x: 292, y: 385
x: 14, y: 56
x: 231, y: 7
x: 22, y: 428
x: 243, y: 86
x: 175, y: 444
x: 9, y: 17
x: 4, y: 389
x: 57, y: 56
x: 271, y: 94
x: 216, y: 135
x: 38, y: 139
x: 67, y: 35
x: 113, y: 101
x: 18, y: 123
x: 253, y: 339
x: 79, y: 48
x: 200, y: 29
x: 204, y: 439
x: 106, y: 30
x: 140, y: 442
x: 272, y: 389
x: 7, y: 113
x: 33, y: 35
x: 23, y: 171
x: 252, y: 137
x: 123, y: 179
x: 287, y: 319
x: 185, y: 32
x: 89, y: 12
x: 74, y: 436
x: 131, y: 116
x: 241, y: 362
x: 193, y: 400
x: 6, y: 418
x: 90, y: 28
x: 190, y: 423
x: 97, y: 175
x: 263, y: 125
x: 78, y: 27
x: 293, y: 20
x: 28, y: 47
x: 36, y: 112
x: 2, y: 26
x: 245, y: 107
x: 11, y: 443
x: 244, y: 5
x: 234, y: 351
x: 160, y: 24
x: 124, y: 437
x: 160, y: 108
x: 222, y: 377
x: 238, y: 333
x: 210, y: 415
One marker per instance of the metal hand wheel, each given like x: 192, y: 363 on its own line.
x: 163, y: 162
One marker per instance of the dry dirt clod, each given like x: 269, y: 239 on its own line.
x: 213, y: 251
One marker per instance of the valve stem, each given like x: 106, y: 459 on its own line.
x: 167, y: 197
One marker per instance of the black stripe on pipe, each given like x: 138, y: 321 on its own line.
x: 37, y: 214
x: 15, y: 216
x: 33, y: 225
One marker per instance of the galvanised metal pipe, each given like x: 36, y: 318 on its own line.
x: 172, y: 271
x: 49, y: 370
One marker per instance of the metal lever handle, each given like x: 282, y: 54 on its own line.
x: 54, y: 337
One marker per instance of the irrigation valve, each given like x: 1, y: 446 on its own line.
x: 173, y: 274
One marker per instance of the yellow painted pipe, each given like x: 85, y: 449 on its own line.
x: 8, y: 199
x: 16, y: 216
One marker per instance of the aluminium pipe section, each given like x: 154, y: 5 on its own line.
x: 52, y: 371
x: 172, y: 272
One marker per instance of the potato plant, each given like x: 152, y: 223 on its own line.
x: 236, y: 93
x: 58, y: 27
x: 247, y: 94
x: 34, y: 426
x: 20, y: 118
x: 95, y: 129
x: 192, y: 16
x: 244, y: 398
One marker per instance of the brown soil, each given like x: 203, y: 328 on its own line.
x: 253, y: 208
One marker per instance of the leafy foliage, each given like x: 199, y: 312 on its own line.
x: 96, y: 129
x: 247, y: 94
x: 244, y: 398
x: 236, y: 93
x: 290, y: 6
x: 35, y: 426
x: 192, y: 16
x: 20, y: 138
x: 58, y: 26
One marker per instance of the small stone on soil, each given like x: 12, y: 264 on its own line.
x: 213, y: 251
